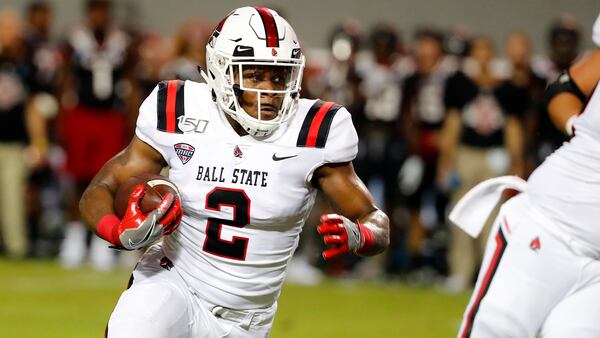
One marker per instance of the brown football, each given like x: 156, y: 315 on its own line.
x: 157, y: 187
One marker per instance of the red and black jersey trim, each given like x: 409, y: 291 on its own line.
x: 316, y: 125
x: 272, y: 36
x: 170, y: 105
x: 485, y: 284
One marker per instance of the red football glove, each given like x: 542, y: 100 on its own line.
x: 343, y: 236
x: 170, y: 222
x: 136, y: 229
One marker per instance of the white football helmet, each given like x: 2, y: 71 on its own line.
x: 251, y: 37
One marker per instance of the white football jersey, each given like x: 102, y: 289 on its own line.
x: 245, y: 199
x: 567, y: 185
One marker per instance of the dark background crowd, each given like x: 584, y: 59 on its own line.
x: 437, y: 110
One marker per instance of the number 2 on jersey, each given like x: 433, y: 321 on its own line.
x: 214, y: 244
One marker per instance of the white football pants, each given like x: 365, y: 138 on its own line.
x: 534, y: 280
x: 158, y: 304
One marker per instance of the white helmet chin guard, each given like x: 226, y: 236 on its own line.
x: 250, y: 38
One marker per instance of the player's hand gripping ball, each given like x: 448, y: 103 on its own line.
x: 149, y: 206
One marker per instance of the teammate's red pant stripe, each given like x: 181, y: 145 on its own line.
x: 313, y: 132
x: 170, y: 111
x: 483, y: 288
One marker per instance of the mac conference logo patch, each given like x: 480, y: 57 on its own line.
x: 184, y: 151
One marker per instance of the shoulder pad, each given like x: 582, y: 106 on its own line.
x: 170, y: 105
x: 317, y: 123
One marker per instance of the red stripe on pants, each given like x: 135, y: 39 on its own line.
x: 500, y: 244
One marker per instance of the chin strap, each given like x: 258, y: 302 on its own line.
x: 203, y: 74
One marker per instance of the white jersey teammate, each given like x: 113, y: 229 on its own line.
x: 248, y: 157
x: 541, y: 271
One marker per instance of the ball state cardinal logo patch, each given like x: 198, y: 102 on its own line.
x: 184, y: 151
x: 535, y: 244
x: 237, y: 152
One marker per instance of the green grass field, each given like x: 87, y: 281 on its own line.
x: 38, y: 299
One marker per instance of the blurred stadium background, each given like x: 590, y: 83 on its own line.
x: 394, y: 65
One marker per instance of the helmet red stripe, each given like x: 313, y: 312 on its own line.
x: 222, y: 22
x: 270, y: 26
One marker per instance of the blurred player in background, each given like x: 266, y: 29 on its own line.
x: 248, y: 157
x: 517, y: 47
x: 381, y: 149
x: 342, y: 78
x: 423, y: 113
x: 23, y: 140
x: 564, y: 40
x: 382, y: 77
x: 481, y: 138
x: 44, y: 61
x: 541, y: 271
x: 189, y: 49
x: 94, y: 119
x: 43, y: 55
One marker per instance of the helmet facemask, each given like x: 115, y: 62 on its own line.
x: 275, y: 82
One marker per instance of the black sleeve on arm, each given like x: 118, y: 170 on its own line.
x: 564, y: 84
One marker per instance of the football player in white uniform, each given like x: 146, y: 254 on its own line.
x: 248, y: 156
x: 541, y: 271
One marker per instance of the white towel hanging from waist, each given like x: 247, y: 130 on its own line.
x: 475, y: 207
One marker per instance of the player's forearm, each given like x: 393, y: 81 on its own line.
x: 562, y: 108
x: 98, y: 198
x: 378, y: 224
x: 96, y: 202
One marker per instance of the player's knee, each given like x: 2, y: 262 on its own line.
x: 566, y: 331
x: 135, y: 327
x: 148, y: 310
x: 501, y: 325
